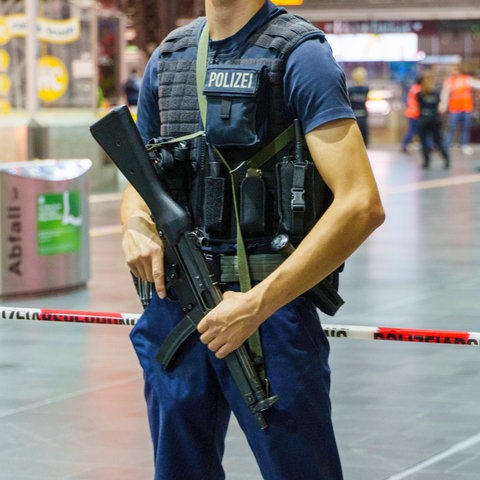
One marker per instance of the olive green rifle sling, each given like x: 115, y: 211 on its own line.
x: 261, y: 157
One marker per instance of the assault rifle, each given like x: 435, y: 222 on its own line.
x: 186, y: 271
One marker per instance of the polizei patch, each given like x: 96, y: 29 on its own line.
x: 232, y: 80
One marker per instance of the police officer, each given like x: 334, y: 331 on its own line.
x: 294, y: 76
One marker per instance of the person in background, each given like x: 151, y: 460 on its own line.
x: 132, y: 87
x: 457, y: 102
x: 429, y: 120
x: 358, y: 94
x: 190, y: 404
x: 411, y: 113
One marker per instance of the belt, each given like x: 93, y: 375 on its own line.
x: 324, y: 295
x: 261, y: 265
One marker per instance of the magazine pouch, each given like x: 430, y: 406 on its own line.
x: 252, y: 203
x: 216, y: 204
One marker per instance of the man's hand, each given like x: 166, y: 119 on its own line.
x: 143, y: 250
x: 230, y: 323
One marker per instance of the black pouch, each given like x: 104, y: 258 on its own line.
x: 302, y: 196
x: 172, y: 163
x: 236, y: 105
x: 252, y: 203
x: 215, y: 206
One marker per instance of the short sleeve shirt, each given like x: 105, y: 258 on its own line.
x: 315, y: 88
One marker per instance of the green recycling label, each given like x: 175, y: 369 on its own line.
x: 59, y: 223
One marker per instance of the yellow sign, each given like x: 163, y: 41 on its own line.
x: 4, y: 107
x: 52, y: 78
x: 4, y: 60
x: 288, y: 2
x: 4, y: 31
x: 48, y: 30
x: 58, y: 31
x: 4, y: 84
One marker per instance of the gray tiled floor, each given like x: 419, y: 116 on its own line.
x: 71, y: 401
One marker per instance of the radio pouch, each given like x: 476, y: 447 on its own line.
x: 302, y: 196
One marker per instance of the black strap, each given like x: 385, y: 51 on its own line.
x: 297, y: 203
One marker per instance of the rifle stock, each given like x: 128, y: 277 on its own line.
x: 187, y: 273
x: 127, y: 153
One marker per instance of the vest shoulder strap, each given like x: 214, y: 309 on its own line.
x: 182, y: 37
x: 285, y: 32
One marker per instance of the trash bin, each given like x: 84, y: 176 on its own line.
x: 44, y: 241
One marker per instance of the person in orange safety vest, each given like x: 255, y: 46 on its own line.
x: 412, y: 113
x: 457, y: 101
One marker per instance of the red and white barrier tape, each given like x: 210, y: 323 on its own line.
x: 74, y: 316
x: 331, y: 330
x: 402, y: 334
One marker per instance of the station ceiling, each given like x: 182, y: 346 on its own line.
x: 318, y: 10
x: 386, y: 3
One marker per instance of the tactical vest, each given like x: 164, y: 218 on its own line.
x: 266, y: 194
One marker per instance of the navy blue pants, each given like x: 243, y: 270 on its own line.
x: 190, y: 404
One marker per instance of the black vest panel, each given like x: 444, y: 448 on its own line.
x: 211, y: 197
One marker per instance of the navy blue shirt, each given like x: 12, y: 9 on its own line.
x: 428, y: 105
x: 358, y: 98
x: 315, y: 89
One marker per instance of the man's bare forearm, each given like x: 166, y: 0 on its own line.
x: 132, y: 204
x: 134, y: 214
x: 354, y: 214
x: 326, y: 247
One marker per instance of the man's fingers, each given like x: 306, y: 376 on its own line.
x: 223, y: 351
x: 213, y: 344
x: 159, y: 275
x: 140, y: 270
